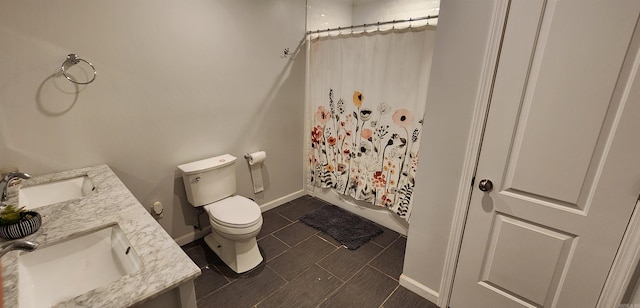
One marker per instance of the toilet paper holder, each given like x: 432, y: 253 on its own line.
x: 248, y: 155
x: 255, y: 161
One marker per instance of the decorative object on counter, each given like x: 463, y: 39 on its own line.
x: 16, y: 222
x: 73, y: 59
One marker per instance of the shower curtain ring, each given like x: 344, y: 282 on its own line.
x: 378, y: 29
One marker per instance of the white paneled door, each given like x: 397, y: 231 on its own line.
x: 562, y: 152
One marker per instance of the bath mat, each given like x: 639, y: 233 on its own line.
x: 349, y: 229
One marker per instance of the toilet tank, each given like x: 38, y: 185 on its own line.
x: 209, y: 180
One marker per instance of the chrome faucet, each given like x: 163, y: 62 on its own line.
x: 19, y: 244
x: 6, y: 180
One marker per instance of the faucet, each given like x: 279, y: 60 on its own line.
x: 19, y: 244
x: 6, y: 180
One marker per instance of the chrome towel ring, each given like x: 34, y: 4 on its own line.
x: 73, y: 59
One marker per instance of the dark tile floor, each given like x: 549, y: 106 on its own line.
x: 306, y: 268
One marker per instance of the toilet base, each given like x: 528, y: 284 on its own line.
x: 239, y: 255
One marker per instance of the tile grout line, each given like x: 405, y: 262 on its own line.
x: 322, y: 238
x: 289, y: 224
x: 346, y: 281
x: 330, y: 273
x: 397, y: 236
x: 222, y: 273
x: 279, y: 254
x: 298, y: 244
x: 285, y: 217
x: 385, y: 249
x: 388, y: 297
x: 285, y: 279
x: 281, y: 241
x: 276, y: 290
x: 306, y: 238
x: 228, y: 279
x: 377, y: 269
x: 330, y: 295
x: 383, y: 273
x: 288, y: 282
x: 332, y: 252
x: 342, y: 283
x: 365, y: 265
x: 378, y: 244
x: 377, y: 255
x: 213, y: 291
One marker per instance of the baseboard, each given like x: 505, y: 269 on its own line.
x: 282, y: 200
x: 419, y: 289
x: 192, y: 236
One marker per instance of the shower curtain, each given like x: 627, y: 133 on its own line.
x: 368, y: 95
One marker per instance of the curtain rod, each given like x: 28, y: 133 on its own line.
x: 374, y: 24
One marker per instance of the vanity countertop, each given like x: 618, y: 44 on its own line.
x: 165, y: 265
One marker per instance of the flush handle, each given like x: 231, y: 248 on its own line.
x: 485, y: 185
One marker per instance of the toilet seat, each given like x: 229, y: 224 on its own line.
x: 234, y: 212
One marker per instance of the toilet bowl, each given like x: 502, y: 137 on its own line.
x: 235, y: 220
x: 235, y: 223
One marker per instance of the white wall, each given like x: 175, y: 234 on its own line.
x: 373, y: 11
x: 325, y: 14
x: 455, y: 77
x: 177, y: 82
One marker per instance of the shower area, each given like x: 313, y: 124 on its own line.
x: 368, y: 65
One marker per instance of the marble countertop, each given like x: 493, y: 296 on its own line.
x: 165, y: 265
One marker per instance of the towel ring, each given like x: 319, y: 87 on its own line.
x: 73, y: 59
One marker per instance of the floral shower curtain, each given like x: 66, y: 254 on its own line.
x: 368, y: 94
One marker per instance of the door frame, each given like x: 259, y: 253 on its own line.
x: 474, y: 142
x: 628, y: 254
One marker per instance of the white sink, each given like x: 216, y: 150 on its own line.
x: 53, y: 192
x: 64, y: 270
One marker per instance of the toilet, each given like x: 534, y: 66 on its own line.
x: 235, y: 220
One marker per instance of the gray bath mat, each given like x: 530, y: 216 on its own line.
x: 349, y: 229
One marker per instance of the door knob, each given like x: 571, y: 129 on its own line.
x: 485, y: 185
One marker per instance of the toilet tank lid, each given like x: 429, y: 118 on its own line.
x: 207, y: 164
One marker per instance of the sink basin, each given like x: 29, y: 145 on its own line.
x: 64, y: 270
x: 53, y: 192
